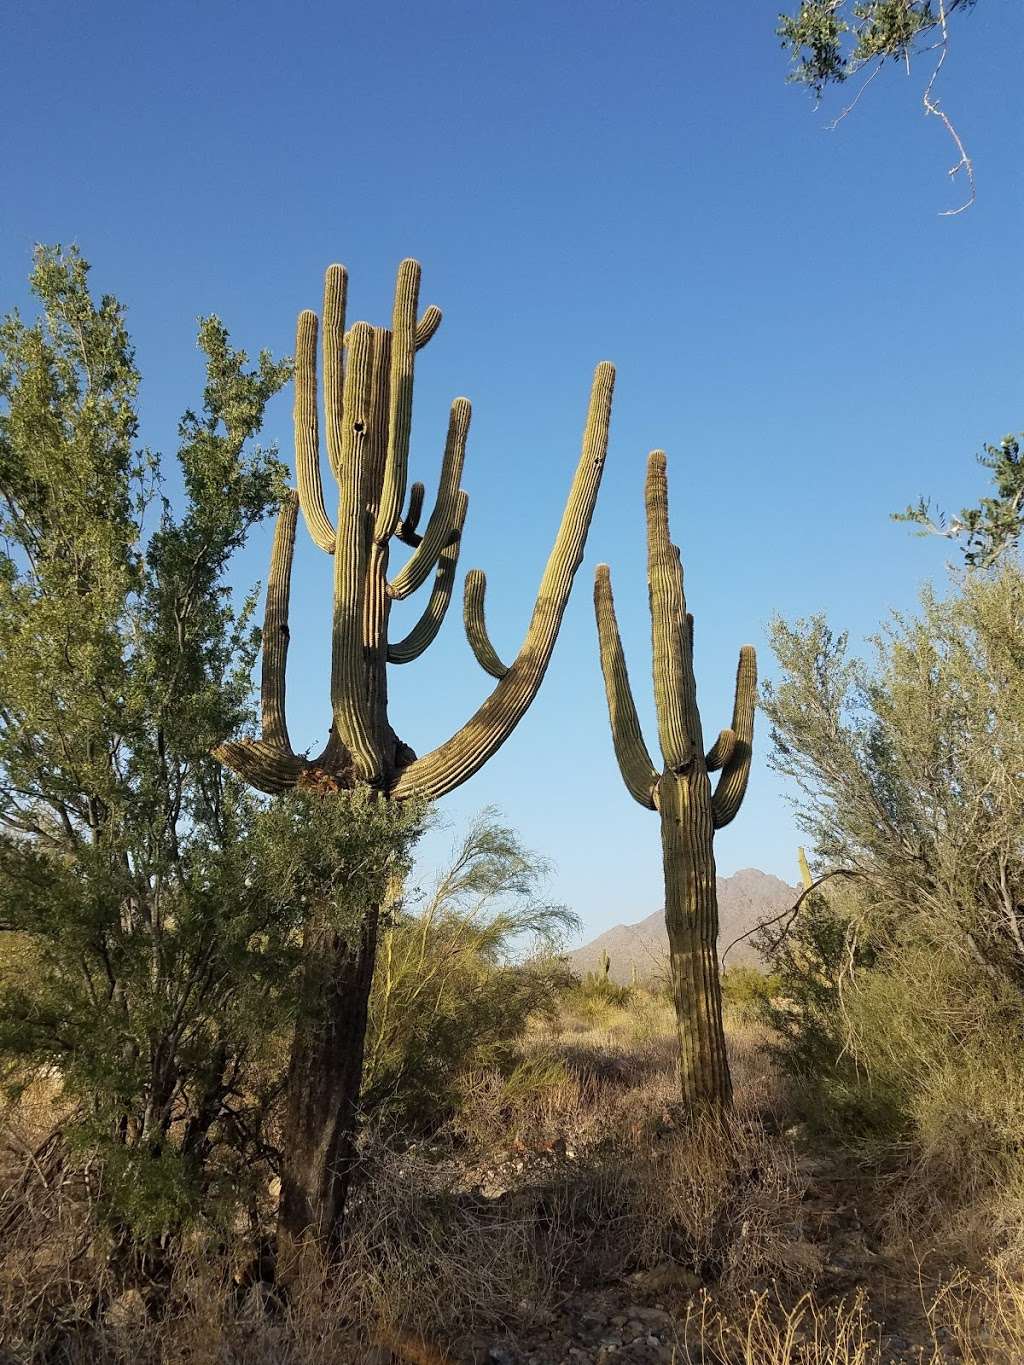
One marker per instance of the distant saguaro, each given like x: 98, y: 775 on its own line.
x: 681, y: 793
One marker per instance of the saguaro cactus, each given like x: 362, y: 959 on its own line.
x: 681, y: 793
x: 806, y: 879
x: 367, y: 399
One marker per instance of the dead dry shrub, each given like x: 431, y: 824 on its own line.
x: 982, y: 1316
x: 767, y: 1332
x: 728, y: 1199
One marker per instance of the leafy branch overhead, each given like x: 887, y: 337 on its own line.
x: 829, y: 41
x: 995, y: 525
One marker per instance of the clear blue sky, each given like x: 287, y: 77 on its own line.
x: 790, y: 316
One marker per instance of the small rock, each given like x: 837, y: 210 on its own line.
x: 127, y: 1309
x: 498, y: 1355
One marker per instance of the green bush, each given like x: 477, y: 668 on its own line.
x: 900, y: 1013
x: 458, y: 979
x: 746, y: 991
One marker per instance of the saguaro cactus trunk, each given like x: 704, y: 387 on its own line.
x: 367, y: 399
x: 690, y: 813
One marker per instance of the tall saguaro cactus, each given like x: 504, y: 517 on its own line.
x: 367, y: 377
x: 681, y: 792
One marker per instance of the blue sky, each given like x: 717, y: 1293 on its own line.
x: 791, y: 318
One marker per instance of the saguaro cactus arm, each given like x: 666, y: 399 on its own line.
x: 427, y: 326
x: 732, y: 785
x: 307, y: 437
x: 333, y: 356
x: 403, y: 350
x: 634, y: 760
x: 439, y: 528
x: 673, y: 680
x: 275, y: 626
x: 806, y: 876
x: 460, y: 757
x: 475, y: 621
x: 349, y: 700
x: 721, y: 751
x: 268, y: 763
x: 262, y: 765
x: 406, y: 531
x: 426, y: 628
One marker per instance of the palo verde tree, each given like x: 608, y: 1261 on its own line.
x: 681, y: 792
x: 367, y: 393
x: 145, y: 950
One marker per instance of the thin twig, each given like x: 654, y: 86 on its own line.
x: 854, y: 102
x: 965, y: 163
x: 790, y: 915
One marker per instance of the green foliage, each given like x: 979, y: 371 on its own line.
x: 902, y: 986
x: 993, y: 527
x: 126, y: 863
x: 805, y: 1010
x: 339, y: 851
x: 597, y: 993
x: 829, y: 40
x: 458, y: 978
x: 746, y: 991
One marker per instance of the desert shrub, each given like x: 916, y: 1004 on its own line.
x: 459, y: 977
x: 595, y: 1000
x: 901, y: 1008
x: 746, y: 991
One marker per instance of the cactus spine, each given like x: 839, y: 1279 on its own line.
x: 690, y: 812
x: 367, y: 375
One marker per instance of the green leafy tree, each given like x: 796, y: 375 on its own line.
x: 151, y: 958
x: 993, y: 527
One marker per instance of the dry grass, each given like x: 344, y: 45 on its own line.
x: 577, y: 1170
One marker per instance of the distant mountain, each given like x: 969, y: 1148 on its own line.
x: 744, y: 899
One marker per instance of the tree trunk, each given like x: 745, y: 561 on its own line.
x: 691, y: 918
x: 324, y: 1076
